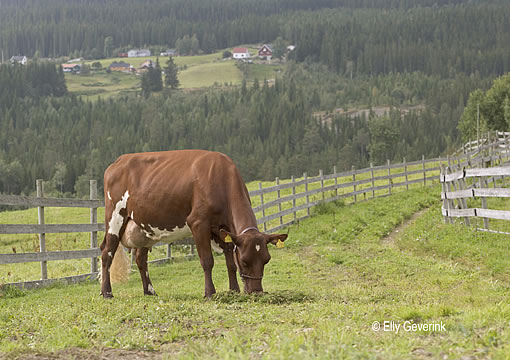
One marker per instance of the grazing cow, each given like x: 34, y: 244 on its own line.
x: 167, y: 196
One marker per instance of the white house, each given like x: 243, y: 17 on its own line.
x: 139, y: 53
x: 19, y: 59
x: 240, y: 53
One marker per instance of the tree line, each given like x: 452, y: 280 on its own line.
x: 349, y: 36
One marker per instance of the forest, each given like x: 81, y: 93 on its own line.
x: 431, y: 56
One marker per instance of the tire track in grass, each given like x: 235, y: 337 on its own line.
x: 389, y: 240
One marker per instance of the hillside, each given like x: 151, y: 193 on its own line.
x: 337, y: 275
x: 194, y: 72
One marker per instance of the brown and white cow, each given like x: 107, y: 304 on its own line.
x: 166, y: 196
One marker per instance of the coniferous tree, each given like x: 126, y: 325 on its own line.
x: 171, y: 79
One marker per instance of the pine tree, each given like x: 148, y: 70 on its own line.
x: 156, y: 82
x: 171, y: 79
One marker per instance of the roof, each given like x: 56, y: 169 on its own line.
x: 266, y: 45
x: 147, y: 64
x: 70, y: 66
x: 18, y: 58
x: 240, y: 50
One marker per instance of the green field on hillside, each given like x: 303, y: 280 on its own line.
x: 341, y: 271
x: 194, y: 72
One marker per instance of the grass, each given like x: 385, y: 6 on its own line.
x: 336, y: 276
x: 205, y: 75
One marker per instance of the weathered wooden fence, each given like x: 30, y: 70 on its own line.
x: 470, y: 175
x: 282, y: 204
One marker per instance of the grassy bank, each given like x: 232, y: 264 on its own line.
x: 338, y: 274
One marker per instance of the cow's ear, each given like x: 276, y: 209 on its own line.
x: 277, y: 239
x: 228, y: 237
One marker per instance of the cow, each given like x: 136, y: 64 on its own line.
x: 170, y: 195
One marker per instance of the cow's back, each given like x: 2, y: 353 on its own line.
x: 163, y: 187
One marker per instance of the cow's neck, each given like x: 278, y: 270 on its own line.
x: 243, y: 216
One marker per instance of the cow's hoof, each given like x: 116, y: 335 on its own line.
x: 150, y: 294
x: 108, y: 295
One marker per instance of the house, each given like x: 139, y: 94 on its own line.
x: 291, y: 48
x: 169, y: 52
x: 265, y: 52
x: 120, y: 66
x: 71, y: 68
x: 139, y: 53
x: 240, y: 53
x: 122, y: 54
x: 19, y: 60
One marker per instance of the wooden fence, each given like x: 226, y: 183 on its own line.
x: 276, y: 206
x: 471, y: 178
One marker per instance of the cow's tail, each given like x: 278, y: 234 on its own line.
x: 121, y: 266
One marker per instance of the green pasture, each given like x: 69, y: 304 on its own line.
x: 213, y: 74
x: 390, y: 259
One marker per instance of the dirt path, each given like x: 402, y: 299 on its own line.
x: 389, y: 240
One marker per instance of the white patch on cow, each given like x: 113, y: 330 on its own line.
x: 257, y: 247
x: 147, y: 273
x: 167, y: 236
x: 151, y: 289
x: 109, y: 197
x: 216, y: 247
x: 110, y: 254
x: 117, y: 219
x: 142, y: 225
x: 132, y: 215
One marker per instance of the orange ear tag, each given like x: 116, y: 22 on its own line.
x: 227, y: 239
x: 279, y: 244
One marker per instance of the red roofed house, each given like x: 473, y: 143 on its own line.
x: 72, y: 68
x: 240, y: 53
x: 265, y: 52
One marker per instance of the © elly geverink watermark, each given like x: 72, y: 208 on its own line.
x: 407, y: 326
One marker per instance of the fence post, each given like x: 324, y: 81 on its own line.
x: 93, y: 220
x: 305, y: 176
x: 321, y: 176
x: 484, y: 184
x: 354, y: 182
x: 277, y: 180
x: 389, y: 178
x: 42, y: 236
x: 443, y: 189
x: 424, y: 172
x: 336, y: 182
x: 405, y: 171
x: 169, y: 252
x: 262, y: 203
x: 373, y: 180
x: 293, y: 180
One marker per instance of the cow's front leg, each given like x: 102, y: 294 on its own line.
x: 141, y: 262
x: 231, y: 268
x: 202, y: 236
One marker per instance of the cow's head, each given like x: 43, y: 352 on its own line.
x: 251, y: 255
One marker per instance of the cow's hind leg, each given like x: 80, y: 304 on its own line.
x: 108, y: 249
x: 141, y: 261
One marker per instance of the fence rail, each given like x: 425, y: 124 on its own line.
x: 280, y: 205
